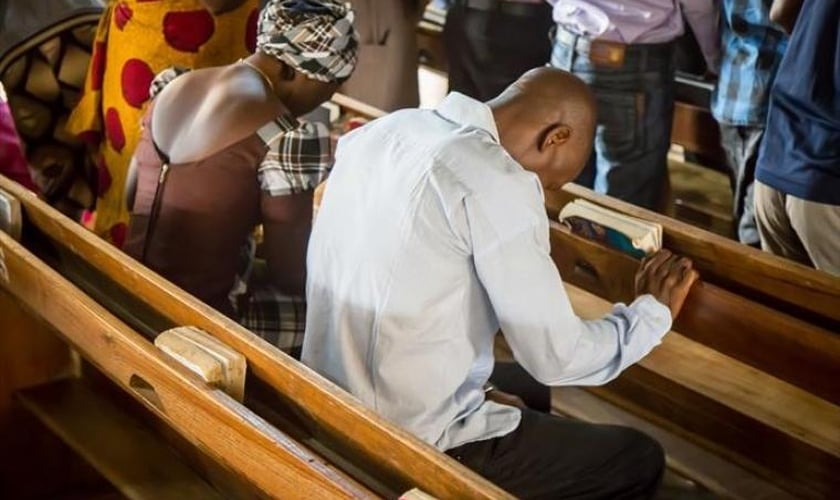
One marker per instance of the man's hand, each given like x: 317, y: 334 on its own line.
x: 667, y: 277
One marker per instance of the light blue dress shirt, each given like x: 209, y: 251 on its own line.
x: 430, y: 238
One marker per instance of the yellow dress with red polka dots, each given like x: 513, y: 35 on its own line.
x: 135, y: 40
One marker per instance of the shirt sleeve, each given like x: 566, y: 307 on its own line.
x: 297, y: 160
x: 536, y: 317
x: 704, y: 18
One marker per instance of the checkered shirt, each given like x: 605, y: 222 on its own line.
x: 752, y: 47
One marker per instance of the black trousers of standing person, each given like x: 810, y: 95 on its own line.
x: 549, y: 457
x: 490, y: 43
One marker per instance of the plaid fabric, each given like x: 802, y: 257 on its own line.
x: 163, y: 78
x: 298, y: 157
x: 315, y: 37
x: 752, y: 48
x: 278, y: 318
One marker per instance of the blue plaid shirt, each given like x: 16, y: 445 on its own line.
x: 752, y: 47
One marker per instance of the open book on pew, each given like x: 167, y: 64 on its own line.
x: 636, y: 237
x: 213, y: 361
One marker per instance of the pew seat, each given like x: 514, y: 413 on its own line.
x: 129, y: 454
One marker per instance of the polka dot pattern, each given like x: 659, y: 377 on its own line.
x: 135, y: 80
x: 117, y: 234
x: 114, y: 129
x: 187, y: 31
x: 104, y: 178
x: 122, y: 15
x: 97, y: 66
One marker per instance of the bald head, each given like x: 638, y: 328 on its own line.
x: 546, y: 121
x: 553, y: 95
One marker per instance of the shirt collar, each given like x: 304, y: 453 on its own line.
x: 469, y: 112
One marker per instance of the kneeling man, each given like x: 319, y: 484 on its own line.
x: 431, y: 236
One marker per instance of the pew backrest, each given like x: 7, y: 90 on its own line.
x: 804, y: 292
x: 231, y: 434
x: 328, y: 411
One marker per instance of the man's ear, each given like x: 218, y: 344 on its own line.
x: 556, y: 135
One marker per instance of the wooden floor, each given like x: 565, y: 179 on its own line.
x: 699, y: 195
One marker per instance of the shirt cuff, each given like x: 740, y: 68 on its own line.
x: 655, y: 314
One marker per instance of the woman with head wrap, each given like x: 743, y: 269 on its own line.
x: 221, y: 151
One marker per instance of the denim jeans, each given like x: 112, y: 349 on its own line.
x: 635, y: 112
x: 742, y: 144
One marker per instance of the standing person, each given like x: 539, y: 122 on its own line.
x: 135, y: 40
x: 797, y: 192
x: 490, y: 43
x: 431, y: 236
x: 625, y: 52
x: 221, y: 150
x: 386, y: 75
x: 752, y: 46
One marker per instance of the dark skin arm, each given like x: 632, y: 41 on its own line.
x: 221, y: 6
x: 287, y: 221
x: 784, y: 13
x: 668, y: 278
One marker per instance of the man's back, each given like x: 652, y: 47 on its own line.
x: 397, y: 314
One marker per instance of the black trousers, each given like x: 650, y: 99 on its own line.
x: 489, y: 49
x: 513, y: 379
x: 552, y: 457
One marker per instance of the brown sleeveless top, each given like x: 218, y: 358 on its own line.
x: 207, y: 210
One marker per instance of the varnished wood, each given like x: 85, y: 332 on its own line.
x: 786, y: 347
x: 722, y: 477
x: 697, y: 131
x: 778, y: 430
x: 120, y: 447
x: 357, y: 107
x: 229, y: 433
x: 771, y: 280
x: 330, y: 411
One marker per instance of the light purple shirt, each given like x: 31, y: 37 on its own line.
x: 643, y: 21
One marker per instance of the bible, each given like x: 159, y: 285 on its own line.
x: 631, y: 235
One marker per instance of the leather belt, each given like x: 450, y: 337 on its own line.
x: 607, y: 53
x: 523, y: 9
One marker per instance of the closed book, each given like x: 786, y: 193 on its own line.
x: 631, y: 235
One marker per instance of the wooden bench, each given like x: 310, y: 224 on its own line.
x: 803, y: 292
x: 784, y: 433
x: 264, y: 460
x: 316, y: 412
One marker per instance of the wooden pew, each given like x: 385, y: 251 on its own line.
x: 780, y: 431
x: 327, y: 418
x: 789, y: 348
x: 775, y: 282
x: 225, y: 431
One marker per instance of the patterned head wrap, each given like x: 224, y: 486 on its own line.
x: 315, y: 37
